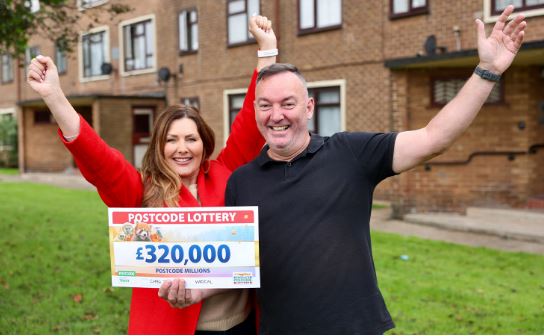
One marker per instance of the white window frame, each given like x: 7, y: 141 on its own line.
x: 122, y: 24
x: 149, y: 111
x: 10, y: 59
x: 57, y: 55
x: 34, y: 6
x: 184, y: 32
x: 9, y: 110
x: 341, y: 83
x: 226, y: 110
x: 249, y: 36
x: 316, y: 28
x: 488, y: 18
x: 107, y: 56
x: 311, y: 85
x: 94, y: 4
x: 28, y: 56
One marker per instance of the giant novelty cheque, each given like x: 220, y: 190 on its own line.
x: 207, y: 247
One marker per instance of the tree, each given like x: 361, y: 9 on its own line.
x: 54, y: 20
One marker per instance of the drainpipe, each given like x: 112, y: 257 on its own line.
x: 457, y: 34
x: 20, y: 121
x: 277, y: 31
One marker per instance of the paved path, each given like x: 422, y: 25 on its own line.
x: 380, y: 222
x: 428, y: 229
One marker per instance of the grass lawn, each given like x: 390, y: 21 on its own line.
x: 9, y: 171
x: 55, y: 275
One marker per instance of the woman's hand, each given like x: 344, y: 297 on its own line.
x: 261, y: 28
x: 43, y: 77
x: 178, y: 296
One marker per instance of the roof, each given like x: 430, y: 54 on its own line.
x: 531, y: 53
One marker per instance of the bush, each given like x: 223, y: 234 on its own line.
x: 8, y: 142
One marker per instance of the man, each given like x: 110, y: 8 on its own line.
x: 315, y: 195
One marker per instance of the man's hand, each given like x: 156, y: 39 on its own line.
x: 261, y: 28
x: 42, y: 76
x: 497, y: 51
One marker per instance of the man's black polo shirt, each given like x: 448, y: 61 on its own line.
x: 317, y: 272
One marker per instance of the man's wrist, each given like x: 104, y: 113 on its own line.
x: 487, y: 74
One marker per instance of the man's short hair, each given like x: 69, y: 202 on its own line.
x: 278, y: 68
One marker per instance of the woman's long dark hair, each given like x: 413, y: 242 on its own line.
x: 161, y: 183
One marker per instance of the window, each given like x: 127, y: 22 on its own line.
x: 6, y: 117
x: 317, y: 15
x: 238, y: 13
x: 188, y: 31
x: 444, y: 90
x: 7, y: 70
x: 327, y: 114
x: 60, y: 59
x: 34, y: 5
x: 403, y: 8
x: 94, y: 46
x: 236, y: 101
x: 142, y: 120
x: 42, y: 117
x: 191, y: 101
x: 90, y: 3
x: 139, y: 46
x: 30, y: 53
x: 499, y: 5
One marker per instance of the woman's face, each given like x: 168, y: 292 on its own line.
x: 184, y: 149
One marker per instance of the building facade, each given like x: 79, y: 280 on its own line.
x: 387, y: 65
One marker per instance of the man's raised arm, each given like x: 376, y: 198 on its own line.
x: 496, y: 53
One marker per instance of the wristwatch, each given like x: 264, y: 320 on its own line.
x: 487, y: 75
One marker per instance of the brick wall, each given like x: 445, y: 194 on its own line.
x: 485, y: 180
x: 45, y: 151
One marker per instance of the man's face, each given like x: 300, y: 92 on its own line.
x: 282, y: 110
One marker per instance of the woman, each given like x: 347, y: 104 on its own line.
x: 176, y: 171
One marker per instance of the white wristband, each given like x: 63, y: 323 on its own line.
x: 69, y: 138
x: 267, y: 53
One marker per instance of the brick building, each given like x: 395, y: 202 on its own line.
x: 384, y: 65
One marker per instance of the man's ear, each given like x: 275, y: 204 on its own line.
x: 310, y: 108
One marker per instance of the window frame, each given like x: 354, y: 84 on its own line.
x: 411, y: 10
x: 29, y: 55
x: 318, y: 106
x: 315, y: 28
x: 341, y: 83
x: 489, y: 17
x: 10, y: 66
x: 122, y: 60
x: 464, y: 79
x: 326, y: 84
x: 107, y: 57
x: 194, y: 101
x: 58, y: 54
x: 227, y: 110
x: 81, y: 6
x: 523, y: 7
x: 37, y: 114
x: 188, y: 31
x: 249, y: 38
x: 34, y: 6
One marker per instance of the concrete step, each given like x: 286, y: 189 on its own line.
x: 514, y: 229
x: 530, y: 217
